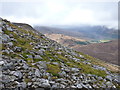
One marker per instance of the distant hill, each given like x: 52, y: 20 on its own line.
x: 104, y: 51
x: 96, y: 32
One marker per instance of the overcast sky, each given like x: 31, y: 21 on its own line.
x: 61, y: 12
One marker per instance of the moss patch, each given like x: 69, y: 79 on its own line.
x: 53, y: 69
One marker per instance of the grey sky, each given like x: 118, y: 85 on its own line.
x: 61, y: 12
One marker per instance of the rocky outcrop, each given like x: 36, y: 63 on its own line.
x: 30, y: 60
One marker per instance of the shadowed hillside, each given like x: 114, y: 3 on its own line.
x: 104, y: 51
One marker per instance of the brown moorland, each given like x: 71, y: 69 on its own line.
x: 103, y: 51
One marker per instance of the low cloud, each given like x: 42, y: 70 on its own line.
x: 61, y: 12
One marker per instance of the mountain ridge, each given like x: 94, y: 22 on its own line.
x: 83, y: 32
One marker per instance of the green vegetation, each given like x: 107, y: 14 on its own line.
x: 54, y: 69
x: 105, y: 41
x: 27, y: 80
x: 99, y: 41
x: 92, y: 41
x: 94, y: 61
x: 87, y: 69
x: 63, y: 58
x: 82, y: 42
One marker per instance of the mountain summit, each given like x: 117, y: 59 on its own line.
x: 31, y: 60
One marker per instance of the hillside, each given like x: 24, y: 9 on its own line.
x: 104, y: 51
x: 31, y: 60
x: 65, y: 40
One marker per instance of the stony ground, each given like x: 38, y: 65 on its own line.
x: 30, y: 60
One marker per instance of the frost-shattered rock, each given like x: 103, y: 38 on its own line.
x: 9, y: 28
x: 1, y: 62
x: 23, y: 85
x: 62, y: 74
x: 37, y: 57
x: 109, y: 77
x: 10, y: 44
x: 41, y: 65
x: 6, y: 51
x: 109, y: 84
x: 37, y: 73
x: 30, y: 56
x: 18, y: 74
x: 74, y: 69
x: 25, y: 66
x: 17, y: 49
x: 55, y: 63
x: 5, y: 38
x: 79, y: 86
x: 41, y: 52
x: 46, y: 85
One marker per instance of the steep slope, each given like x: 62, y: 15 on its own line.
x: 104, y: 51
x: 30, y: 60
